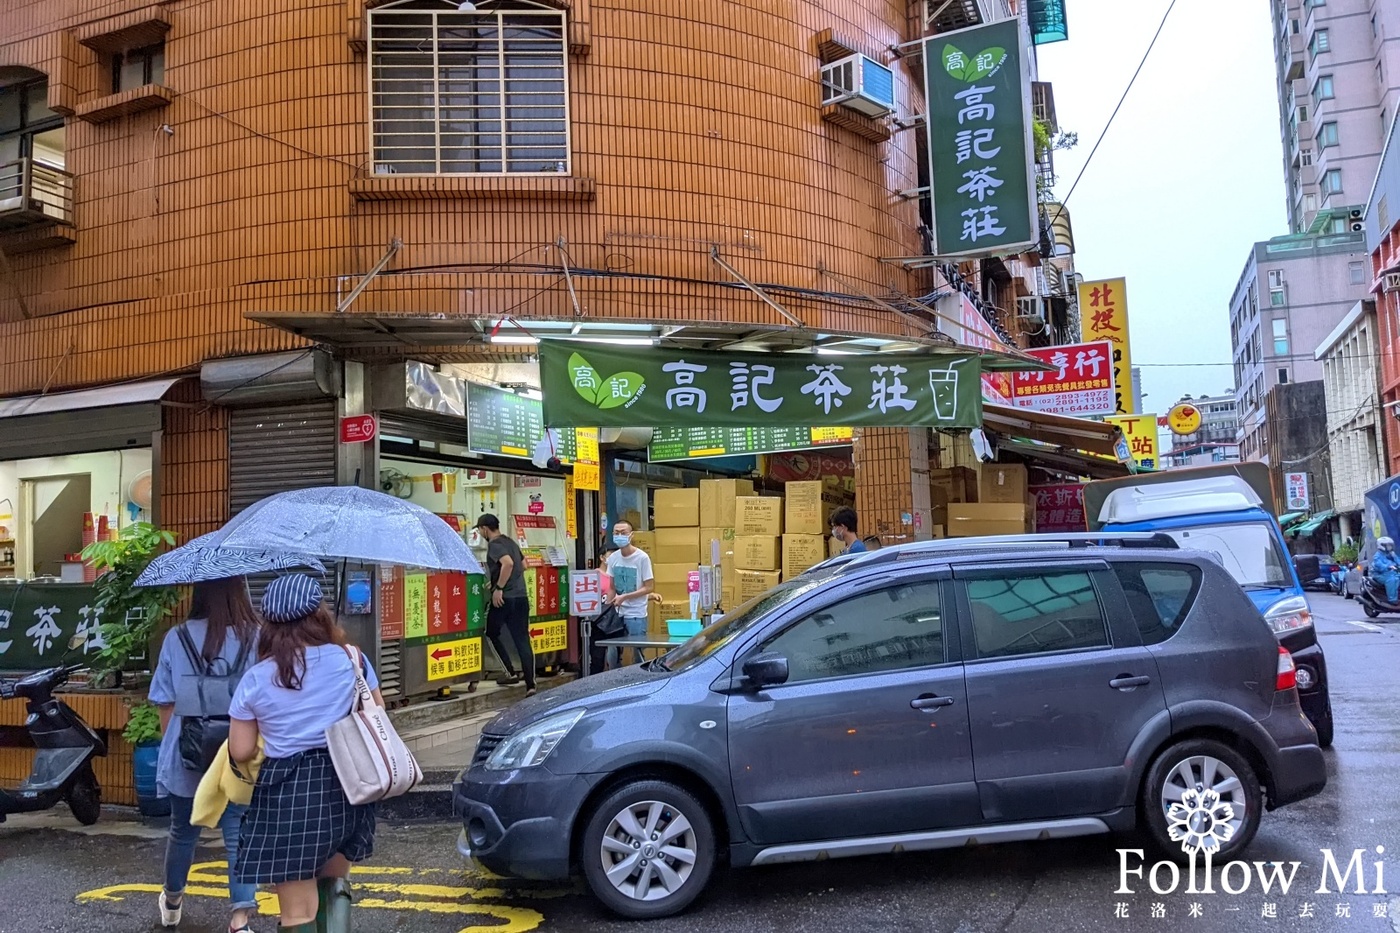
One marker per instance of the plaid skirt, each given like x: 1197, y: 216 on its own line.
x: 299, y: 819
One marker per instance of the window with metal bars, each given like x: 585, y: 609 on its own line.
x: 479, y: 91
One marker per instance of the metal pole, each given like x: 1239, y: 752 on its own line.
x: 394, y: 246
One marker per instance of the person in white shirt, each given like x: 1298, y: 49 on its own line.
x: 632, y: 585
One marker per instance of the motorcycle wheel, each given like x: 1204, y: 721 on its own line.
x: 85, y: 798
x: 1371, y: 611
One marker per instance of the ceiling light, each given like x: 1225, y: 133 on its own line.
x: 514, y: 340
x: 466, y: 6
x: 619, y: 341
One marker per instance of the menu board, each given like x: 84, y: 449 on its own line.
x: 501, y: 422
x: 690, y: 443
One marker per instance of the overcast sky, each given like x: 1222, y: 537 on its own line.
x: 1188, y: 177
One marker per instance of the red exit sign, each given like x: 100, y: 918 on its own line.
x: 358, y: 429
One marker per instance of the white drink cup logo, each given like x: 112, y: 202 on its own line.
x: 944, y: 383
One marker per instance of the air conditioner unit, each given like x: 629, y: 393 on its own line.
x: 1031, y: 311
x: 1357, y: 213
x: 860, y: 84
x: 1357, y: 226
x: 1392, y: 282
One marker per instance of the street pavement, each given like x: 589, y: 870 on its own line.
x: 55, y: 878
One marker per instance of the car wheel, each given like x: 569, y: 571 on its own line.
x: 1201, y: 794
x: 85, y: 798
x: 1324, y: 728
x: 648, y: 849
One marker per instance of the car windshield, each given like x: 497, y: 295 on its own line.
x: 718, y: 634
x: 1249, y: 551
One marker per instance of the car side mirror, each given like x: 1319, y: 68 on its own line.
x: 766, y: 670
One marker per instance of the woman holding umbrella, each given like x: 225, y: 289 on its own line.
x: 216, y: 643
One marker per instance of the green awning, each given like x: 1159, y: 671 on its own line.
x: 1291, y: 517
x: 1312, y: 524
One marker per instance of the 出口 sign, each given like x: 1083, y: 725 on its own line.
x: 618, y: 387
x: 979, y: 140
x: 1081, y: 384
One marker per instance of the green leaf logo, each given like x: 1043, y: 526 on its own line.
x: 619, y: 390
x: 606, y: 393
x: 975, y: 67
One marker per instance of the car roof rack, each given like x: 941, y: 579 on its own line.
x: 955, y: 547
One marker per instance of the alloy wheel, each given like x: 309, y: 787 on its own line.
x: 1204, y: 801
x: 648, y: 850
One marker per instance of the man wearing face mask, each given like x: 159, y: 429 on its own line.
x: 843, y: 529
x: 632, y: 583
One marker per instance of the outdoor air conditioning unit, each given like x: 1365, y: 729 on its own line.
x: 1392, y: 282
x: 1357, y: 214
x: 1031, y: 311
x: 860, y: 84
x: 1357, y: 226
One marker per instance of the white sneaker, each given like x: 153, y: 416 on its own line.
x: 170, y: 916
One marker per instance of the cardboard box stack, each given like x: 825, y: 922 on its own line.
x: 801, y: 552
x: 955, y: 485
x: 718, y: 512
x: 805, y: 526
x: 971, y: 520
x: 676, y: 508
x: 676, y: 546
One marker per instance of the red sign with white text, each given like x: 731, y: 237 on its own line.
x: 1081, y: 384
x: 358, y: 429
x: 1059, y: 508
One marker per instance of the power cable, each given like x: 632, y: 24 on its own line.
x: 1065, y: 200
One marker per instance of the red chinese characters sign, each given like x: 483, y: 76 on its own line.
x: 1081, y: 385
x: 1059, y: 509
x: 358, y: 429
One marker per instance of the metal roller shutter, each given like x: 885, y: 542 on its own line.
x: 277, y: 448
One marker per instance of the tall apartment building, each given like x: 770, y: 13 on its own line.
x: 1338, y: 64
x: 1351, y: 381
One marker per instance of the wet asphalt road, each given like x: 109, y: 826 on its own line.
x: 57, y: 879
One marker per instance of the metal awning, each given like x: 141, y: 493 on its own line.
x: 442, y: 338
x: 1074, y: 462
x: 1290, y: 517
x: 1060, y: 431
x: 1312, y: 524
x: 133, y: 393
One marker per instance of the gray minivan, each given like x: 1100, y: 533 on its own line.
x: 922, y: 696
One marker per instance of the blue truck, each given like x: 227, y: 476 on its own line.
x: 1228, y: 510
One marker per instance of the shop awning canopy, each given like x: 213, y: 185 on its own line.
x: 1060, y: 431
x: 1312, y: 524
x: 1290, y: 518
x: 133, y: 393
x: 1073, y: 462
x: 446, y: 338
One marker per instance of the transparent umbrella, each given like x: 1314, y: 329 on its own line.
x: 348, y: 523
x: 199, y: 560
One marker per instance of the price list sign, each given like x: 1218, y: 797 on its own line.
x: 501, y: 422
x: 690, y: 443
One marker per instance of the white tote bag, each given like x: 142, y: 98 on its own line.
x: 370, y: 759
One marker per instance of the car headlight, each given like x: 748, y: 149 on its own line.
x: 1289, y: 615
x: 531, y: 746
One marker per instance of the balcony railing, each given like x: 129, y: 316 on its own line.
x: 33, y: 193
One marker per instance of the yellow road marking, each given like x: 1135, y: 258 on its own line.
x: 209, y: 879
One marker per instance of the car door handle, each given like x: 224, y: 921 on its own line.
x: 929, y: 701
x: 1124, y: 682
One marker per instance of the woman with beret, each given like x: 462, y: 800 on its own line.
x: 301, y: 832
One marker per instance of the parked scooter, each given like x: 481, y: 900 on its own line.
x: 66, y: 745
x: 1373, y: 601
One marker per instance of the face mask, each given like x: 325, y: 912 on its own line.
x: 622, y: 540
x: 836, y: 533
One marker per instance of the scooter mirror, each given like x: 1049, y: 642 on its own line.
x: 77, y: 641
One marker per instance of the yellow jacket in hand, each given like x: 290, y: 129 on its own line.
x: 224, y: 783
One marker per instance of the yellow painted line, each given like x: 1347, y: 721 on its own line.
x: 209, y: 879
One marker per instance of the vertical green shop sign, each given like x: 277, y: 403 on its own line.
x: 980, y: 151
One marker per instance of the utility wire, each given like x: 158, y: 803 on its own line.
x: 1065, y: 200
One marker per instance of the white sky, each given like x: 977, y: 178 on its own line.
x: 1188, y: 177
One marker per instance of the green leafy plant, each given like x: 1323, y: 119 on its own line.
x: 130, y: 615
x: 617, y: 389
x: 1346, y: 554
x: 142, y: 725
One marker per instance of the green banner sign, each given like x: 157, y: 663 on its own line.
x: 979, y: 140
x: 622, y: 387
x: 37, y: 620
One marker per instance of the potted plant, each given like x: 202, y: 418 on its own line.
x: 131, y: 616
x: 143, y: 732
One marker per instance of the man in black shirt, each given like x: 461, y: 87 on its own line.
x: 510, y: 605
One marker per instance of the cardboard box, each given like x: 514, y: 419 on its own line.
x: 758, y: 515
x: 673, y: 581
x: 753, y: 583
x: 757, y: 552
x: 1003, y: 482
x: 833, y: 547
x: 806, y: 512
x: 971, y: 520
x: 959, y: 484
x: 725, y: 537
x: 801, y: 552
x: 676, y: 546
x: 646, y: 540
x: 676, y: 508
x: 717, y: 508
